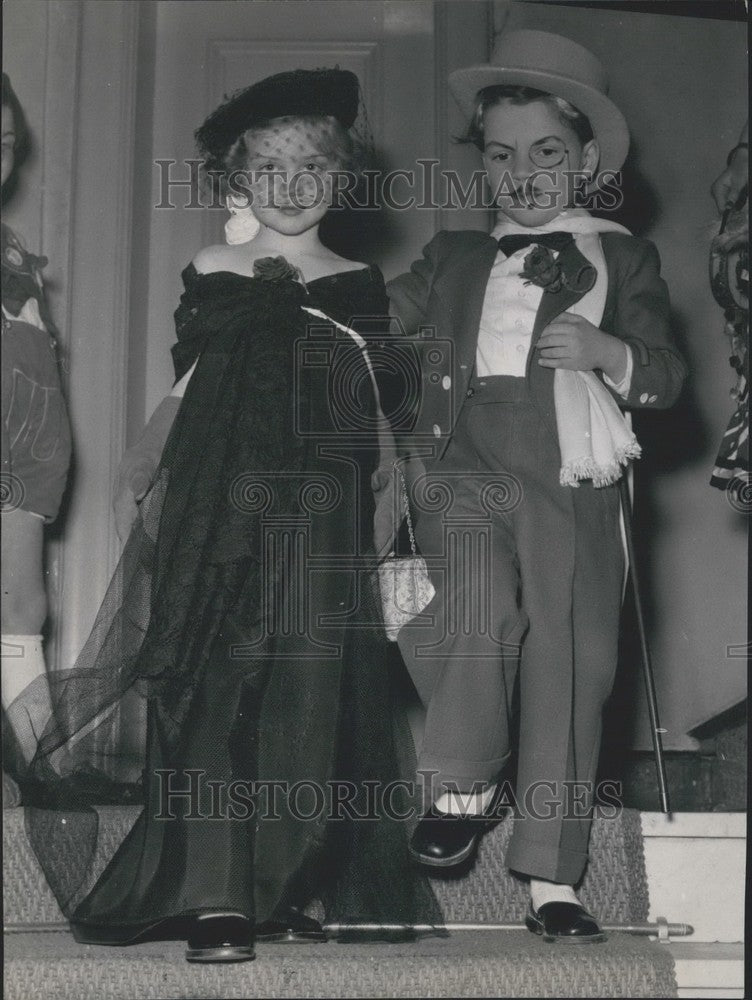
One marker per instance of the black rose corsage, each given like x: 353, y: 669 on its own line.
x: 541, y: 268
x: 276, y: 269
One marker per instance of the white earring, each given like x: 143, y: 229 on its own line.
x: 242, y: 225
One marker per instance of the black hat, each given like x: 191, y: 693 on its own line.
x: 297, y: 92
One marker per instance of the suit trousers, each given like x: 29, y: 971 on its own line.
x: 528, y: 576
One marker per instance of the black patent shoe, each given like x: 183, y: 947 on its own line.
x: 220, y: 937
x: 564, y: 923
x: 442, y: 840
x: 292, y: 925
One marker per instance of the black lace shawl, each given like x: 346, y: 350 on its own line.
x: 273, y: 446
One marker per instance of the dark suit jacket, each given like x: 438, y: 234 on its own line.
x: 439, y: 303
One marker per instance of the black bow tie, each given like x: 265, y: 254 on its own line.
x: 518, y: 241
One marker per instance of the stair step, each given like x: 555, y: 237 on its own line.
x: 614, y: 887
x: 695, y: 866
x: 51, y: 966
x: 708, y: 970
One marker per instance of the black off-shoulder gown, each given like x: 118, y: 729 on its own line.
x: 243, y: 628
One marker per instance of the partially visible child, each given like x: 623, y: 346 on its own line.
x: 35, y: 458
x: 557, y: 319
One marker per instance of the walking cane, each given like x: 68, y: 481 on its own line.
x: 647, y: 667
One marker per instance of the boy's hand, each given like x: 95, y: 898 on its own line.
x: 570, y: 341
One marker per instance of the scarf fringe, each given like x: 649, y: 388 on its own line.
x: 581, y: 469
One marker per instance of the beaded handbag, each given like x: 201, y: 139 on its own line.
x: 405, y: 586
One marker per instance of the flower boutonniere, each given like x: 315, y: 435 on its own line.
x: 541, y: 268
x: 277, y: 269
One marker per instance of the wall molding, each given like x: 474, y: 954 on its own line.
x: 57, y: 197
x: 99, y: 224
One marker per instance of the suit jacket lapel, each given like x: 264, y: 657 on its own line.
x: 552, y: 304
x: 463, y: 289
x: 574, y: 264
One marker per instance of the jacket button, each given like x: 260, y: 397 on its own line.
x: 470, y: 392
x: 644, y: 397
x: 652, y: 399
x: 446, y: 382
x: 436, y: 430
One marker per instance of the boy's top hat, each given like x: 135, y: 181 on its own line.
x: 558, y: 66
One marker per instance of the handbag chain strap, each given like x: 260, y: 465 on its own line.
x: 360, y: 341
x: 406, y: 502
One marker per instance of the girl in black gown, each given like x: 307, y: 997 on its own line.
x: 243, y: 623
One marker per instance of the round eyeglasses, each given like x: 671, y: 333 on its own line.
x: 548, y: 154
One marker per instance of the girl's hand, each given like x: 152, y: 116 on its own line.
x: 380, y: 479
x: 125, y: 508
x: 131, y: 486
x: 385, y: 527
x: 572, y: 342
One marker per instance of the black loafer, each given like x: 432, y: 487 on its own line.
x: 220, y: 937
x: 441, y: 840
x: 565, y: 923
x: 291, y: 926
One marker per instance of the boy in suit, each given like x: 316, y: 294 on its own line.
x: 552, y: 324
